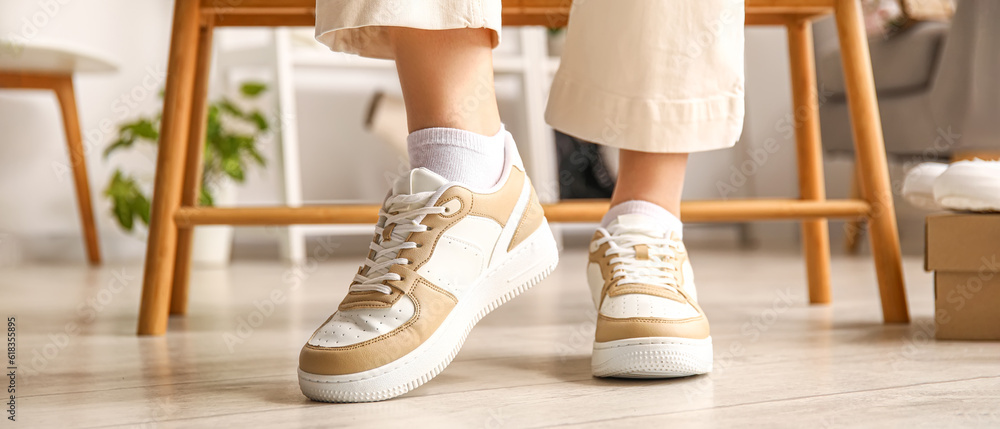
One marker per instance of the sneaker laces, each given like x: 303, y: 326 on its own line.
x: 658, y: 269
x: 402, y: 215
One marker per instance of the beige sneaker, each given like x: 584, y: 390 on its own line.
x: 443, y: 256
x: 649, y: 324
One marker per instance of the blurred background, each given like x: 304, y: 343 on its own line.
x: 331, y: 104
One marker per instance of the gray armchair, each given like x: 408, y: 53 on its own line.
x: 938, y: 86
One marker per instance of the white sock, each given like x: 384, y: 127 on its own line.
x: 458, y: 155
x: 662, y: 216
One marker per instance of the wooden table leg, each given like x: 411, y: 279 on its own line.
x: 174, y: 130
x: 815, y: 233
x: 63, y: 87
x: 192, y: 168
x: 871, y: 159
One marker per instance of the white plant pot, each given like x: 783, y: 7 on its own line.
x: 213, y: 245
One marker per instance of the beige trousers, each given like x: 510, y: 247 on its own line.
x: 644, y: 75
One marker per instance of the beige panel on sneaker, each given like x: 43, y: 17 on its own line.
x: 496, y: 206
x: 611, y: 329
x: 500, y: 204
x: 426, y: 240
x: 604, y: 261
x: 530, y: 221
x: 432, y: 306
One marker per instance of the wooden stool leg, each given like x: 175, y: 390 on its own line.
x: 162, y: 246
x: 854, y: 228
x: 192, y: 168
x: 871, y: 160
x: 63, y: 87
x: 815, y: 233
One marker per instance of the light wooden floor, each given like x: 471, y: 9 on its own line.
x: 778, y: 361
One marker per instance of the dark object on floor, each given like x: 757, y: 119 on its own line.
x: 583, y: 172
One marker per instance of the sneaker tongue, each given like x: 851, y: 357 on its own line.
x: 419, y: 180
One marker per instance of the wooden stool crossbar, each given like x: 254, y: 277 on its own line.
x: 174, y: 211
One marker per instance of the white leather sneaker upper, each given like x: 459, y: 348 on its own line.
x: 969, y: 185
x: 443, y: 255
x: 642, y: 282
x: 918, y: 186
x: 353, y: 326
x: 473, y: 233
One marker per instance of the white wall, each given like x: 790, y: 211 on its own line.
x: 38, y: 215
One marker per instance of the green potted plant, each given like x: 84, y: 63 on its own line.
x: 232, y: 137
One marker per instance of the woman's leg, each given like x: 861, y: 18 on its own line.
x: 445, y: 71
x: 657, y: 80
x: 451, y: 106
x: 443, y: 253
x: 654, y: 177
x: 447, y: 78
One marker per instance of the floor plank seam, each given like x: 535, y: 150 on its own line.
x: 720, y: 407
x: 151, y: 386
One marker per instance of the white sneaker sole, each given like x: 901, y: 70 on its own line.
x: 984, y: 203
x: 652, y: 357
x: 530, y: 262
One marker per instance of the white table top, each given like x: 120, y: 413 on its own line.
x: 53, y: 57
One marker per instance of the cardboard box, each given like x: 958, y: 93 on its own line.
x: 963, y: 250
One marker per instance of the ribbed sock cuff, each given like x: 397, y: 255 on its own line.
x: 459, y: 155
